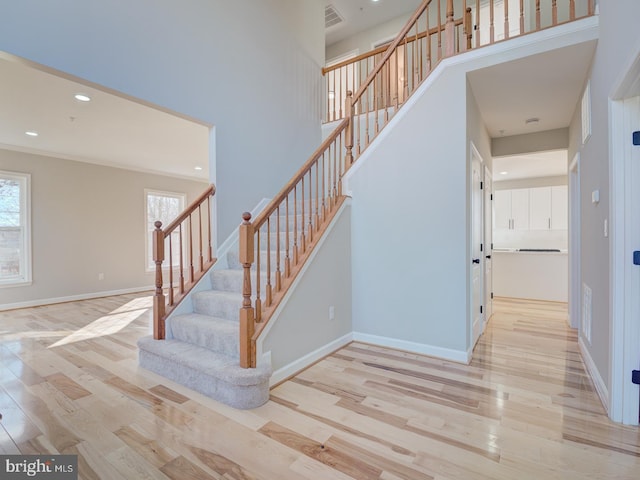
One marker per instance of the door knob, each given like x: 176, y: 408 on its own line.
x: 476, y: 260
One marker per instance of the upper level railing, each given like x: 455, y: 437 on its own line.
x: 274, y: 247
x: 186, y: 246
x: 479, y: 23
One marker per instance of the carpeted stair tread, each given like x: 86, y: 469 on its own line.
x: 231, y: 280
x: 217, y: 303
x: 217, y: 334
x: 210, y: 373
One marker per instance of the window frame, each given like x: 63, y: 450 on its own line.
x: 25, y: 276
x: 148, y: 243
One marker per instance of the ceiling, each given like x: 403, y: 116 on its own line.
x: 360, y: 15
x: 535, y: 165
x: 108, y: 130
x: 113, y: 130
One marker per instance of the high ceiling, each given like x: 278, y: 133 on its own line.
x: 360, y: 15
x: 117, y: 131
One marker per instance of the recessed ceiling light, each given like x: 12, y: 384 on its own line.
x: 504, y: 173
x: 197, y: 168
x: 82, y: 97
x: 31, y: 133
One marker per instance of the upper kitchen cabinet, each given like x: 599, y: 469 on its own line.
x: 560, y: 207
x: 512, y: 209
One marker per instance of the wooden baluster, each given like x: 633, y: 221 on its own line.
x: 554, y: 12
x: 341, y: 163
x: 416, y: 61
x: 340, y: 96
x: 468, y: 28
x: 405, y: 71
x: 358, y: 134
x: 268, y: 292
x: 158, y: 298
x: 191, y: 269
x: 506, y: 19
x: 318, y: 195
x: 428, y: 50
x: 521, y: 17
x: 449, y: 30
x: 303, y: 237
x: 591, y: 7
x: 200, y: 253
x: 295, y: 226
x: 287, y: 258
x: 181, y: 262
x: 209, y: 227
x: 477, y: 26
x: 572, y: 9
x: 349, y: 139
x: 491, y: 25
x: 335, y: 176
x: 465, y: 30
x: 310, y: 208
x: 246, y: 256
x: 537, y: 15
x: 278, y: 248
x: 439, y: 32
x: 258, y: 261
x: 324, y: 186
x: 376, y: 106
x: 170, y: 270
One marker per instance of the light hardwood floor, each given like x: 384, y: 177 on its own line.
x: 524, y: 408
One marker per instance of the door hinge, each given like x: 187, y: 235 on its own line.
x: 480, y: 308
x: 481, y: 185
x: 491, y: 295
x: 635, y: 377
x: 481, y: 247
x: 492, y: 196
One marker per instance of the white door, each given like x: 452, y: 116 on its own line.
x: 477, y: 220
x: 488, y: 244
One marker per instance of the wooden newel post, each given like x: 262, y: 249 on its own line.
x: 247, y: 322
x: 158, y: 298
x: 449, y: 31
x: 348, y: 107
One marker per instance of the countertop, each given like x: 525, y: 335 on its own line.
x: 529, y: 251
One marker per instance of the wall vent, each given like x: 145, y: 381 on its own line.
x: 331, y: 16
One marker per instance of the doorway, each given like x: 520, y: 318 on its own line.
x: 477, y: 271
x: 574, y: 243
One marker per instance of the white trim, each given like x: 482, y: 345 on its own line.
x: 473, y: 152
x: 601, y: 387
x: 575, y: 275
x: 458, y: 356
x: 74, y: 298
x: 26, y: 273
x: 303, y: 362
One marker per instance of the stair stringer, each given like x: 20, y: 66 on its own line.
x: 299, y: 332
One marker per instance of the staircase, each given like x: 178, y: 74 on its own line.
x: 212, y: 349
x: 201, y: 349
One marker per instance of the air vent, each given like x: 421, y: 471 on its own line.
x: 331, y: 16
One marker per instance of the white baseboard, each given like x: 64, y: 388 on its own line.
x: 601, y: 388
x: 73, y: 298
x: 309, y: 359
x: 458, y: 356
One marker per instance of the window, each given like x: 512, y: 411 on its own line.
x: 163, y: 206
x: 15, y: 237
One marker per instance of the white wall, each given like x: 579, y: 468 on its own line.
x: 548, y: 140
x: 86, y: 219
x: 618, y: 28
x: 251, y: 68
x: 303, y: 325
x: 409, y: 230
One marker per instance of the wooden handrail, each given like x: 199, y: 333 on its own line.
x: 296, y: 218
x: 198, y: 263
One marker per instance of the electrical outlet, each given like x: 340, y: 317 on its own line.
x: 332, y: 313
x: 101, y: 276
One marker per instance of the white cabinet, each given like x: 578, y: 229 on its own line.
x: 539, y: 208
x: 511, y: 209
x: 559, y: 207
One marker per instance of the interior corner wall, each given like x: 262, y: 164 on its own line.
x: 86, y: 219
x: 409, y: 229
x: 618, y: 27
x: 251, y: 68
